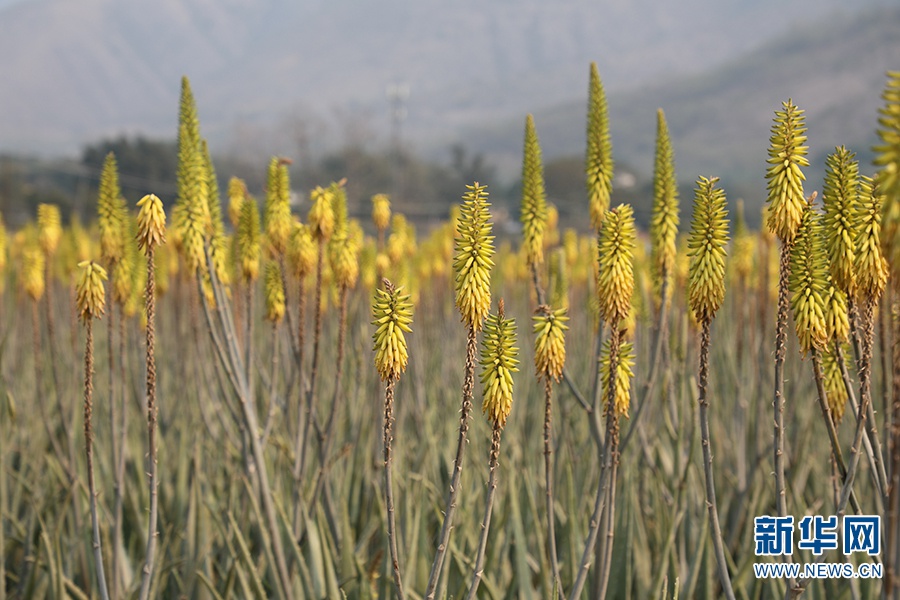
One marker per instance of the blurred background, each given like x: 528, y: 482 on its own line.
x: 418, y: 98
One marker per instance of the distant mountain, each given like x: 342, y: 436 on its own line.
x: 720, y: 121
x: 73, y: 71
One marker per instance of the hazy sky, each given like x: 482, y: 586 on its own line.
x: 77, y: 70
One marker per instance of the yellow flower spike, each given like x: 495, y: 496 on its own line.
x: 381, y: 211
x: 837, y: 323
x: 218, y: 241
x: 248, y: 241
x: 870, y: 265
x: 664, y: 219
x: 343, y: 249
x: 615, y: 267
x: 90, y: 296
x: 499, y: 360
x: 237, y: 193
x: 624, y: 375
x: 111, y: 213
x: 808, y: 283
x: 550, y: 341
x: 706, y: 249
x: 343, y: 254
x: 191, y: 221
x: 835, y: 390
x: 598, y: 156
x: 278, y: 221
x: 887, y: 156
x: 787, y: 154
x: 534, y: 202
x: 33, y: 262
x: 321, y: 214
x: 339, y: 208
x: 840, y: 198
x: 49, y: 227
x: 301, y: 251
x: 151, y: 223
x: 274, y: 293
x: 472, y: 260
x: 195, y: 219
x: 392, y: 314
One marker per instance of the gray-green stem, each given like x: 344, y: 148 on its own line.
x: 389, y: 487
x: 153, y: 481
x: 450, y: 510
x: 478, y: 571
x: 712, y: 507
x: 88, y: 444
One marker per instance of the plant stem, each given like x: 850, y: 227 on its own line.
x: 114, y: 447
x: 612, y: 434
x: 702, y: 387
x: 327, y: 438
x: 548, y: 477
x: 300, y: 452
x: 301, y: 339
x: 796, y: 589
x: 784, y: 271
x: 389, y: 486
x: 273, y: 381
x: 38, y: 378
x: 851, y: 398
x: 489, y: 504
x: 153, y: 480
x: 606, y: 469
x: 859, y: 330
x: 231, y: 361
x: 892, y: 554
x: 450, y: 510
x: 662, y: 329
x: 64, y: 416
x: 548, y: 448
x: 88, y: 443
x: 836, y: 454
